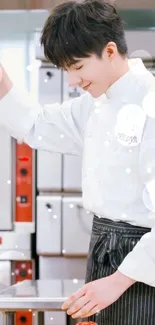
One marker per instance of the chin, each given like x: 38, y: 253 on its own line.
x: 96, y: 94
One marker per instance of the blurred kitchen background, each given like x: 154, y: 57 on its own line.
x: 44, y: 230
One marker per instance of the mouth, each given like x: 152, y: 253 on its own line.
x: 86, y: 87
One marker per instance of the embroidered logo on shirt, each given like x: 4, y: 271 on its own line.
x: 127, y: 139
x: 130, y: 125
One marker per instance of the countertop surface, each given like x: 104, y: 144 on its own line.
x: 39, y: 295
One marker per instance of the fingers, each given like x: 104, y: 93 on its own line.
x: 78, y: 305
x: 94, y: 310
x: 78, y: 294
x: 86, y: 309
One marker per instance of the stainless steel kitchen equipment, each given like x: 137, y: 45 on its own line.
x: 77, y: 225
x: 6, y: 181
x: 58, y: 220
x: 58, y: 267
x: 49, y: 171
x: 16, y: 185
x: 49, y: 224
x: 36, y: 296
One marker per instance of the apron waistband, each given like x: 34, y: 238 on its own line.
x: 101, y: 225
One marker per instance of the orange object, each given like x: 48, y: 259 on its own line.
x: 86, y: 323
x: 24, y: 183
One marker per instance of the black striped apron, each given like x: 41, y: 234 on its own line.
x: 110, y: 242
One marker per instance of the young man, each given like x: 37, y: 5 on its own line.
x: 110, y: 127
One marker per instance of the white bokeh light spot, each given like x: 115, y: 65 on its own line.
x: 128, y: 170
x: 97, y: 110
x: 149, y: 104
x: 97, y: 103
x: 124, y: 216
x: 107, y: 143
x: 71, y: 206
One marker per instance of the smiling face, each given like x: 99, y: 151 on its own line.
x: 91, y: 74
x: 96, y: 74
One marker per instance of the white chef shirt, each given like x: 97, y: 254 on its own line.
x: 115, y: 135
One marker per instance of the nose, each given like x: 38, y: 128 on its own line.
x: 73, y: 78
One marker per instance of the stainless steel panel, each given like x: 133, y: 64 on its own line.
x: 6, y: 194
x: 5, y: 278
x: 55, y: 318
x: 5, y: 273
x: 49, y: 225
x: 77, y: 224
x: 15, y: 246
x: 49, y: 85
x: 72, y: 170
x: 49, y: 171
x: 38, y: 295
x: 62, y: 268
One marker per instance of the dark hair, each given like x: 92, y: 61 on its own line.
x: 77, y: 30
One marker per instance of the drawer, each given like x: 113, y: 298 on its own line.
x: 77, y: 225
x: 49, y: 171
x: 60, y: 267
x: 72, y: 168
x: 49, y: 225
x: 55, y: 318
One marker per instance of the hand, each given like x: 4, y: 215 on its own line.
x: 97, y: 295
x: 5, y: 82
x: 1, y: 73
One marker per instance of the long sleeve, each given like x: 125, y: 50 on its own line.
x: 58, y: 128
x: 140, y: 263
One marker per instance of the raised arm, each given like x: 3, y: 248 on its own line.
x: 58, y: 128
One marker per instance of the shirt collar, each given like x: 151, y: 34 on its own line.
x: 129, y: 82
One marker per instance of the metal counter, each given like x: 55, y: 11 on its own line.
x: 40, y: 296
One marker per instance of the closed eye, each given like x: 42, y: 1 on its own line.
x: 78, y: 68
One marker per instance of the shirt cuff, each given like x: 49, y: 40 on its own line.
x: 139, y: 265
x: 18, y: 112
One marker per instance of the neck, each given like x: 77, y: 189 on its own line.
x: 121, y: 68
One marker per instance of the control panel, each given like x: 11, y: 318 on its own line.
x: 23, y: 270
x: 24, y: 183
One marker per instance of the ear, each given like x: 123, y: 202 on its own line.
x: 111, y: 50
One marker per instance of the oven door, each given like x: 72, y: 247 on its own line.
x: 6, y: 180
